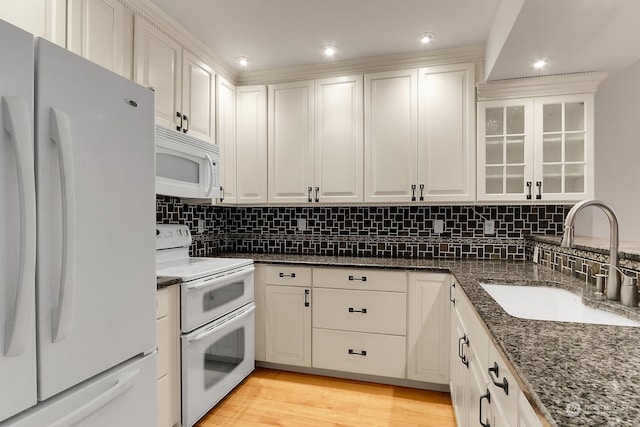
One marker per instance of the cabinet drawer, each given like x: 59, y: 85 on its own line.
x: 359, y: 352
x: 360, y: 311
x: 364, y: 279
x: 507, y: 399
x: 162, y: 303
x: 288, y: 275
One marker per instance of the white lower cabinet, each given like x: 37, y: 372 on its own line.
x: 168, y: 335
x: 428, y: 326
x: 288, y: 320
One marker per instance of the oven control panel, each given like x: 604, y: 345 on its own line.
x: 172, y: 236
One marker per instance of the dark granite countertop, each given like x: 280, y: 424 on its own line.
x: 163, y: 282
x: 574, y: 374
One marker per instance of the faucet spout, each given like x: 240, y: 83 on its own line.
x: 613, y: 281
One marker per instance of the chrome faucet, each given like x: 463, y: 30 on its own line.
x: 613, y: 281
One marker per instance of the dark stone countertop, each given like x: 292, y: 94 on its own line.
x: 163, y: 282
x: 574, y: 374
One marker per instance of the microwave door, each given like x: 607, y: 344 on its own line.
x: 182, y: 173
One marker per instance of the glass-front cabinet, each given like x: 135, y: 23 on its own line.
x: 537, y: 149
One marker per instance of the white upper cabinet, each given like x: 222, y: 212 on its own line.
x: 102, y: 32
x: 198, y: 98
x: 184, y: 85
x: 338, y: 139
x: 538, y: 149
x: 226, y: 126
x: 251, y: 144
x: 290, y: 142
x: 446, y: 133
x: 390, y: 134
x: 44, y: 18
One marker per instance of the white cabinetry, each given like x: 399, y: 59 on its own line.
x: 102, y: 32
x: 168, y: 330
x: 359, y: 321
x: 44, y: 18
x: 288, y: 315
x: 251, y: 144
x: 226, y: 126
x: 419, y: 135
x: 184, y: 85
x: 536, y: 148
x: 428, y: 327
x: 290, y: 142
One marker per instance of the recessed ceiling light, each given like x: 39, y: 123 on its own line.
x: 243, y: 60
x: 425, y: 38
x: 540, y: 64
x: 329, y: 50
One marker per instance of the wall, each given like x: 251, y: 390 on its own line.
x: 379, y: 231
x: 617, y: 153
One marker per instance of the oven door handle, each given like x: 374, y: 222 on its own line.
x: 221, y: 325
x: 217, y: 280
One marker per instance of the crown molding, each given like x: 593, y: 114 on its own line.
x: 148, y: 11
x: 561, y: 84
x: 466, y: 54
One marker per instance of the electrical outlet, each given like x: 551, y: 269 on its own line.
x: 200, y: 226
x: 302, y: 224
x: 489, y: 227
x: 438, y: 226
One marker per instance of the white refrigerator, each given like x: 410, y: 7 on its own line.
x: 77, y: 241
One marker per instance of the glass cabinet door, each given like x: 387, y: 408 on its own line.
x: 563, y: 148
x: 505, y: 150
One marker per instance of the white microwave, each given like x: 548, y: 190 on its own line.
x: 186, y: 167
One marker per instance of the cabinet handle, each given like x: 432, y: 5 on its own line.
x: 221, y: 194
x: 362, y: 279
x: 362, y: 353
x: 463, y: 357
x: 452, y: 287
x: 352, y: 310
x: 487, y: 396
x: 178, y: 115
x: 306, y: 297
x: 186, y: 119
x: 539, y: 185
x: 413, y: 192
x: 309, y: 194
x: 292, y: 275
x: 317, y: 191
x: 504, y: 385
x: 421, y: 192
x: 528, y: 190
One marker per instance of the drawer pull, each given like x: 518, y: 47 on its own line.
x: 292, y: 275
x: 362, y: 353
x: 353, y: 310
x: 463, y: 357
x: 451, y: 288
x: 362, y: 279
x: 504, y: 385
x: 487, y: 396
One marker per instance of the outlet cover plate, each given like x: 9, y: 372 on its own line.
x: 489, y: 227
x: 438, y: 226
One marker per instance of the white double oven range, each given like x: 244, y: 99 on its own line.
x: 216, y: 320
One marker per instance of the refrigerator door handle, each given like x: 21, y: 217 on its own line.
x: 16, y: 123
x: 211, y: 175
x: 61, y: 136
x: 121, y: 385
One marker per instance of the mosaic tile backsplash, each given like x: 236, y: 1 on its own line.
x: 379, y: 231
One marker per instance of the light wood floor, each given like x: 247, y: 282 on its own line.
x: 276, y: 398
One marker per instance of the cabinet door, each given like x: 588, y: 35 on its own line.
x: 526, y: 415
x: 96, y: 31
x: 428, y: 327
x: 564, y: 148
x: 505, y: 150
x: 338, y: 139
x: 157, y: 64
x: 446, y: 133
x: 43, y: 18
x: 198, y: 97
x: 259, y: 294
x: 251, y: 144
x: 288, y: 325
x: 390, y: 135
x: 459, y: 372
x: 290, y: 142
x: 226, y: 126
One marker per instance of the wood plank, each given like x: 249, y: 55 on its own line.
x: 278, y: 398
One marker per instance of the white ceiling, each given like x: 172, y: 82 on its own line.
x: 576, y: 35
